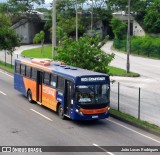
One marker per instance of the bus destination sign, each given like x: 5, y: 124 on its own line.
x: 92, y: 79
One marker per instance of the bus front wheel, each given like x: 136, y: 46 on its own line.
x: 61, y: 111
x: 29, y: 96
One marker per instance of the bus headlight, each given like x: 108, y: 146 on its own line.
x: 78, y: 111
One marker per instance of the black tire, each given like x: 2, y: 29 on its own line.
x: 61, y: 112
x: 29, y: 96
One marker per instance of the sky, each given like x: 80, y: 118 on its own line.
x: 46, y: 5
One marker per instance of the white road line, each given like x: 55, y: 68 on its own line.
x: 6, y: 73
x: 2, y: 93
x: 135, y: 131
x: 41, y: 115
x: 103, y: 149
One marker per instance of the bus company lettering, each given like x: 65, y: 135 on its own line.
x: 91, y: 79
x: 48, y: 91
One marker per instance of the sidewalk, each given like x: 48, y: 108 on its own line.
x: 17, y: 53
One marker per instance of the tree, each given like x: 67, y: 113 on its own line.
x: 8, y: 37
x: 146, y: 12
x: 3, y: 7
x: 84, y: 53
x: 23, y: 5
x: 119, y: 28
x: 23, y: 9
x: 39, y: 38
x: 152, y: 18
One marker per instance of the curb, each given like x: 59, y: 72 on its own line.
x: 136, y: 125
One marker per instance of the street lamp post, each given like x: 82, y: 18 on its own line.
x: 128, y: 37
x: 53, y: 28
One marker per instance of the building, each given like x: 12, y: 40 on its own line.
x: 27, y: 28
x: 136, y: 29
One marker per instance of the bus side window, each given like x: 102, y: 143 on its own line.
x: 46, y: 78
x: 18, y: 68
x: 53, y: 81
x: 23, y: 70
x: 33, y: 73
x: 28, y: 71
x: 60, y: 83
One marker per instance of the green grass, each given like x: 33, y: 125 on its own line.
x: 6, y: 67
x: 121, y: 72
x: 136, y: 121
x: 36, y: 53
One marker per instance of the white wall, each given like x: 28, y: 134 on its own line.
x: 137, y: 29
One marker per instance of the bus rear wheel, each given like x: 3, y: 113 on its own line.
x: 61, y: 112
x: 29, y: 96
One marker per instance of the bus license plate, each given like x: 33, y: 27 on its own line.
x: 94, y: 116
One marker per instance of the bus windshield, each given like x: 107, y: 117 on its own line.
x: 92, y: 94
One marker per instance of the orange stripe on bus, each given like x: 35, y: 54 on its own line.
x: 93, y: 111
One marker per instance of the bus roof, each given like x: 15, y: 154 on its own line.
x: 61, y: 69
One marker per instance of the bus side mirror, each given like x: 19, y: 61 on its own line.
x: 113, y: 81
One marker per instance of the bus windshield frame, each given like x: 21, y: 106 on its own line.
x: 92, y: 94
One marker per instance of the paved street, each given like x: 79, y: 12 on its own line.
x: 149, y: 69
x: 20, y: 125
x: 149, y: 82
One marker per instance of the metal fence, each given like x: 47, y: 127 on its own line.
x: 6, y: 58
x: 138, y: 102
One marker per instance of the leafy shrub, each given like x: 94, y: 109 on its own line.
x: 85, y: 53
x: 146, y: 46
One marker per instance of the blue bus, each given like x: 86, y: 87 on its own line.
x: 72, y: 92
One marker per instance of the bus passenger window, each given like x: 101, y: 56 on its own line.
x: 46, y: 78
x: 28, y: 71
x: 34, y: 73
x: 60, y: 83
x: 17, y: 68
x: 23, y: 70
x: 53, y: 81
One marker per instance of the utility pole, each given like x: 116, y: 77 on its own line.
x: 92, y: 17
x: 53, y: 28
x: 128, y: 37
x: 76, y: 22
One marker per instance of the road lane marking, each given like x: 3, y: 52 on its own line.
x: 41, y: 114
x: 135, y: 131
x: 6, y: 73
x: 103, y: 149
x: 3, y: 93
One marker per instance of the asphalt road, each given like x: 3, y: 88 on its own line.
x: 148, y: 82
x: 25, y: 124
x: 149, y: 69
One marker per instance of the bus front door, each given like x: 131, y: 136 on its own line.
x: 39, y: 86
x: 68, y: 97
